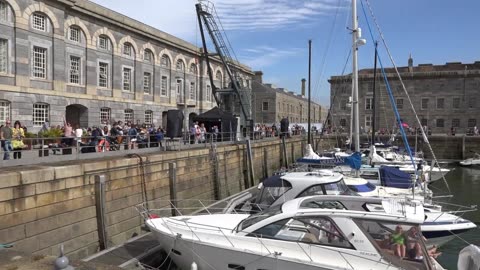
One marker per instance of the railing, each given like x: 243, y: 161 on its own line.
x: 54, y: 149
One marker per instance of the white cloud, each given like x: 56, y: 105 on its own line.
x: 264, y: 56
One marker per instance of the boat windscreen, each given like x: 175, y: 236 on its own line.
x: 249, y: 221
x: 367, y: 187
x: 338, y: 188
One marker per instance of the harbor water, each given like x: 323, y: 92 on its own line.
x: 464, y: 184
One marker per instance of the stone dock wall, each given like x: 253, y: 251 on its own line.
x: 44, y: 206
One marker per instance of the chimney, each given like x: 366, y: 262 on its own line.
x: 410, y: 63
x: 258, y: 77
x: 303, y: 87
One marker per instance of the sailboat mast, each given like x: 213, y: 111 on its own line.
x: 374, y: 100
x: 355, y: 40
x: 309, y: 126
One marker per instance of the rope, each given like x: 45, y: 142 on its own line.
x: 402, y: 83
x: 392, y: 101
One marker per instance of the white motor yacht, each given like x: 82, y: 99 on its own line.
x: 473, y: 161
x: 317, y: 232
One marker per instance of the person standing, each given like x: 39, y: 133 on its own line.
x: 17, y: 140
x: 6, y: 136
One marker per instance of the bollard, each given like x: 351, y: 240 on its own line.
x: 100, y: 208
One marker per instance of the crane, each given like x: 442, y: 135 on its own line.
x: 235, y: 93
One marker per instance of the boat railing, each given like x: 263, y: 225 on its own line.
x: 167, y: 208
x: 455, y: 209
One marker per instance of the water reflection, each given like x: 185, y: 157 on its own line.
x: 465, y: 187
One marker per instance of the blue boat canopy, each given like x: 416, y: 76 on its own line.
x: 394, y: 177
x: 354, y: 161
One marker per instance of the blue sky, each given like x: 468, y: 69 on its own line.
x: 272, y: 35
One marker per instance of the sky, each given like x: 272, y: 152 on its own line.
x: 272, y: 35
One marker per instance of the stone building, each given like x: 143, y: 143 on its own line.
x: 271, y: 104
x: 79, y: 60
x: 443, y: 96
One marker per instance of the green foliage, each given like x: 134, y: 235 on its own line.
x: 30, y: 135
x: 51, y: 133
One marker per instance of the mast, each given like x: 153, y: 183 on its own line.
x: 309, y: 89
x: 374, y: 107
x: 357, y: 41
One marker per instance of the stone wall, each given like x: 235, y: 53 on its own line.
x: 44, y: 206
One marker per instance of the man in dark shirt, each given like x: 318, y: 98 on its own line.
x: 6, y: 137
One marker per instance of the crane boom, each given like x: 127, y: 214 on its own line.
x: 206, y: 15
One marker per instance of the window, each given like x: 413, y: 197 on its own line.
x: 424, y: 104
x: 39, y: 63
x: 456, y: 103
x: 4, y: 111
x: 265, y: 106
x: 455, y: 123
x: 148, y: 117
x: 440, y: 103
x: 219, y: 78
x: 368, y: 103
x: 104, y: 43
x: 399, y: 103
x: 40, y: 114
x: 148, y: 56
x: 164, y: 86
x: 343, y: 122
x: 147, y: 83
x: 180, y: 90
x: 424, y: 122
x: 180, y: 65
x: 440, y: 123
x: 313, y: 230
x: 74, y: 69
x: 193, y: 69
x: 105, y: 114
x: 127, y: 49
x: 471, y: 102
x: 368, y: 120
x: 39, y: 22
x: 193, y: 91
x: 472, y: 123
x: 103, y: 72
x: 127, y: 79
x: 165, y: 61
x: 3, y: 11
x: 74, y: 34
x: 209, y: 92
x: 128, y: 116
x: 3, y: 55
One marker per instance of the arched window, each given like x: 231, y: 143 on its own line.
x: 129, y: 117
x: 75, y: 34
x: 40, y: 22
x: 165, y: 61
x: 6, y: 14
x: 4, y: 111
x: 219, y: 78
x: 148, y: 56
x: 193, y: 69
x: 104, y: 43
x: 128, y: 50
x: 41, y: 112
x: 180, y: 65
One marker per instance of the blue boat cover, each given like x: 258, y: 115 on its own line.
x: 394, y: 177
x: 354, y: 160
